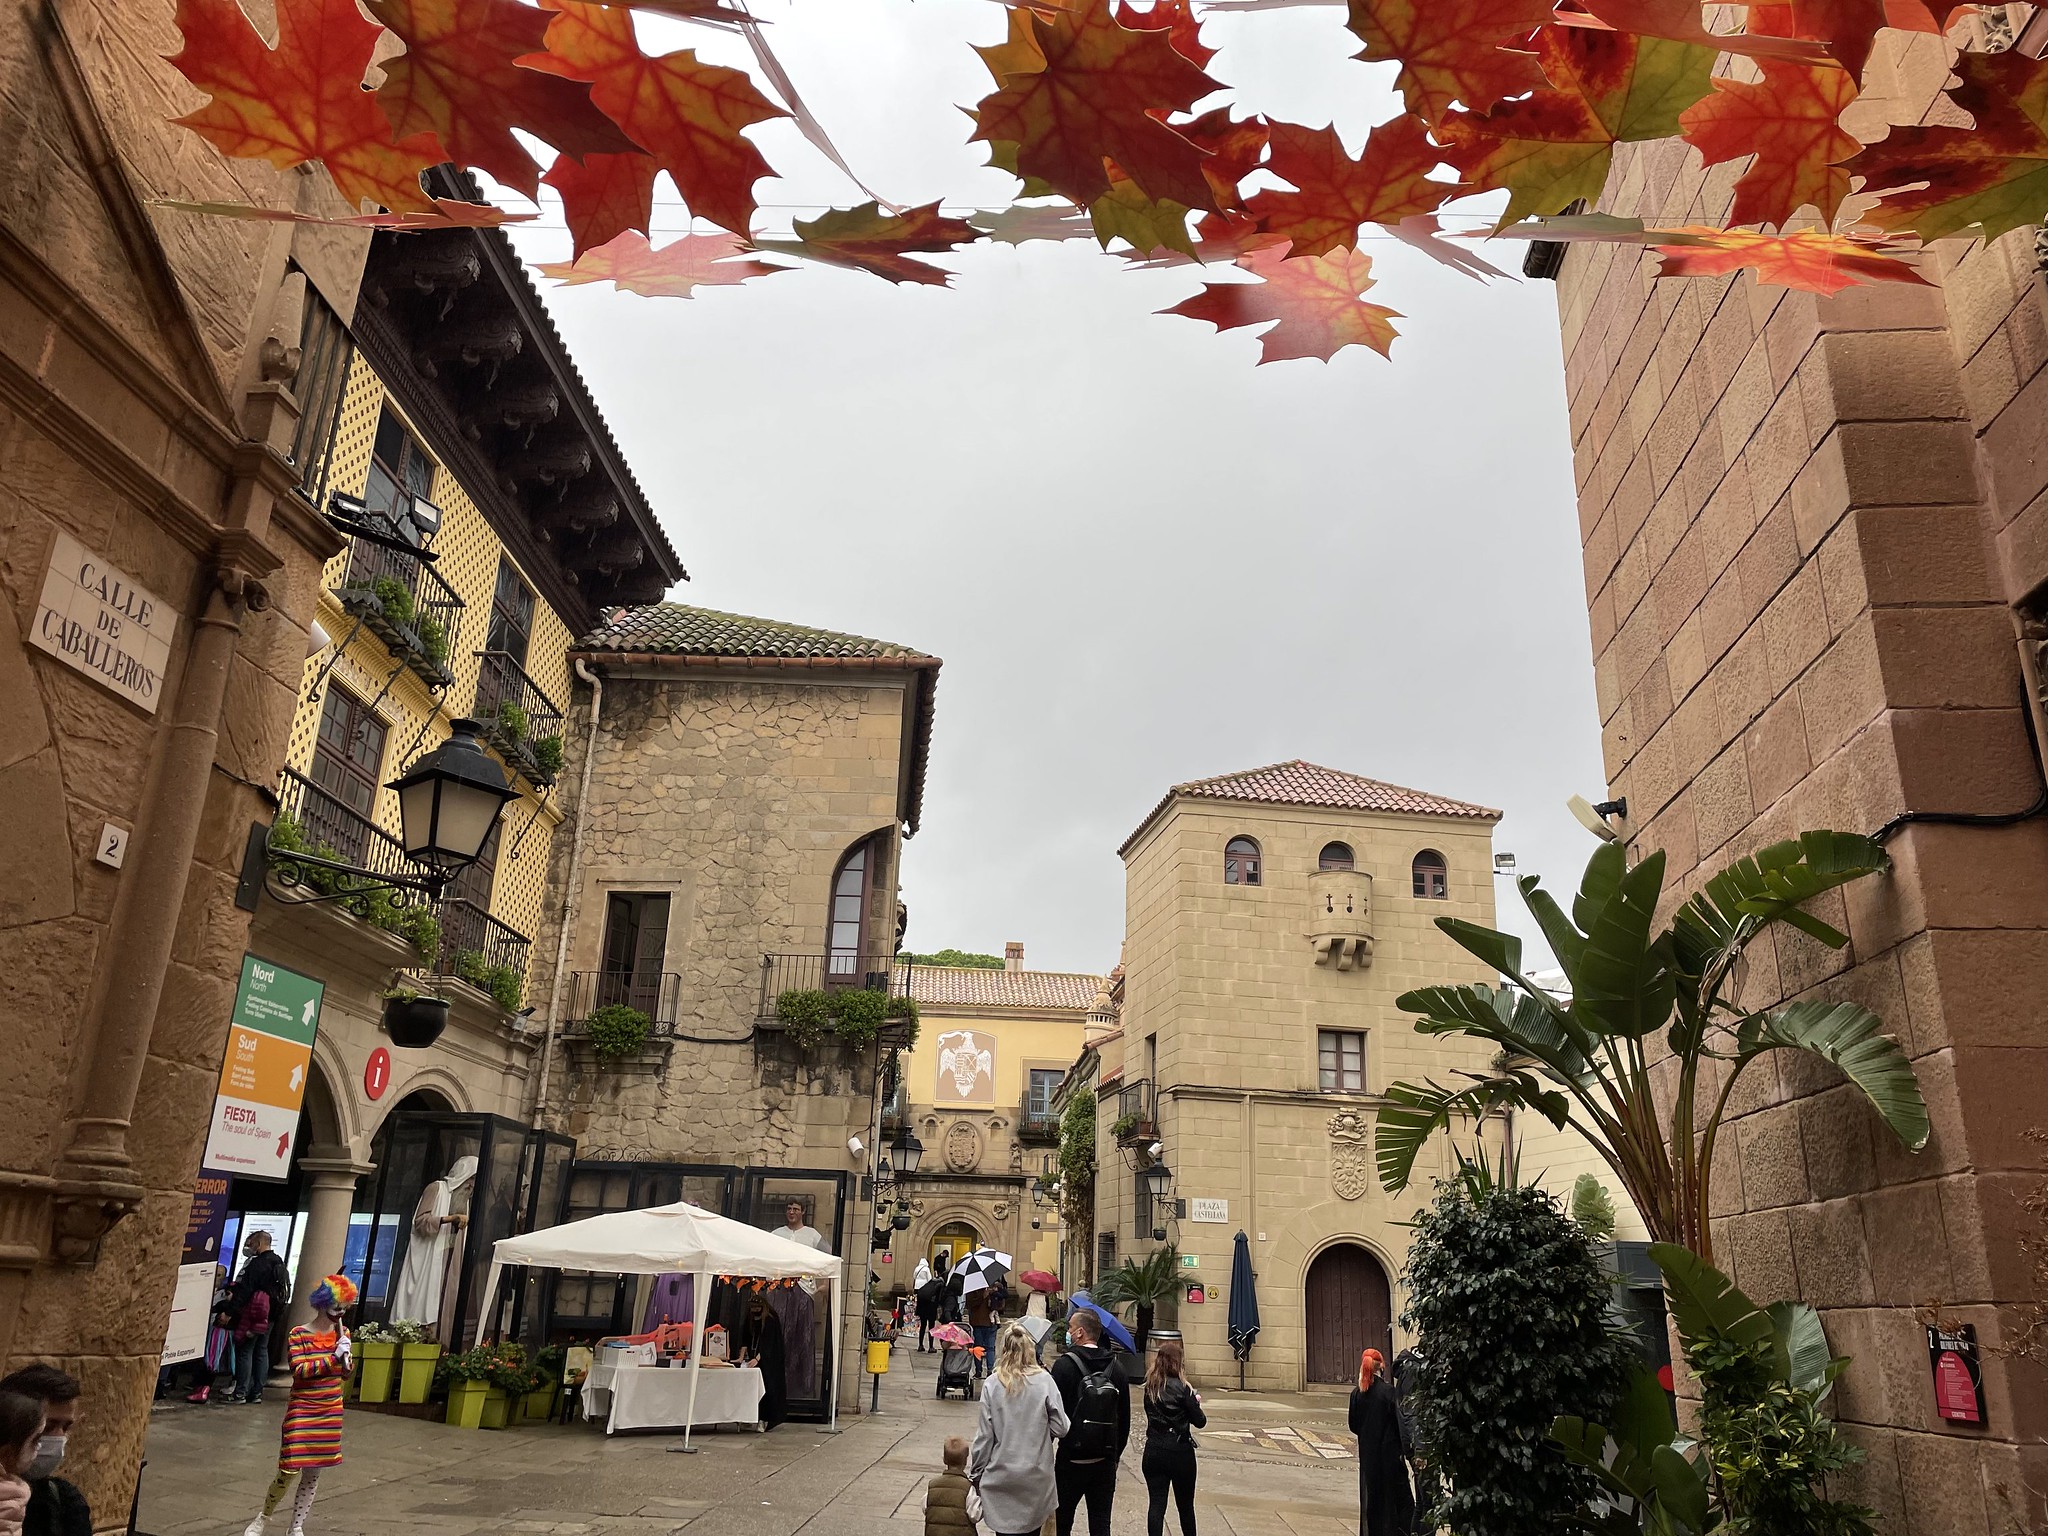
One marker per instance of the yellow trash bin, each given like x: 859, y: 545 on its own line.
x: 878, y: 1358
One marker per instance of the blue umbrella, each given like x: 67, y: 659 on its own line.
x: 1244, y: 1306
x: 1117, y: 1333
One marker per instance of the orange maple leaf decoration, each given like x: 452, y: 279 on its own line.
x: 1235, y: 146
x: 1101, y: 95
x: 685, y: 113
x: 1335, y: 194
x: 1453, y: 50
x: 1808, y: 259
x: 1791, y: 122
x: 675, y: 271
x: 302, y: 100
x: 459, y: 80
x: 604, y: 196
x: 1177, y: 19
x: 869, y: 240
x: 1849, y: 28
x: 1316, y: 299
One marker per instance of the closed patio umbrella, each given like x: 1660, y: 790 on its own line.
x: 1244, y: 1305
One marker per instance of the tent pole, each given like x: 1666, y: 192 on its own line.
x: 838, y: 1345
x: 700, y: 1300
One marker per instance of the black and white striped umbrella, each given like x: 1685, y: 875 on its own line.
x: 979, y: 1270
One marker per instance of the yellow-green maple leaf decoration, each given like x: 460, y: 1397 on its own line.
x: 1554, y: 148
x: 1148, y: 224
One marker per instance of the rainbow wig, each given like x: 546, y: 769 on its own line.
x: 337, y: 1293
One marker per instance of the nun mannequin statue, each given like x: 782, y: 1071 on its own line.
x: 437, y: 1226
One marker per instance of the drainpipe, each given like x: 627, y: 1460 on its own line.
x: 573, y: 888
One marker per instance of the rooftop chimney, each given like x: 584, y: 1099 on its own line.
x: 1013, y: 956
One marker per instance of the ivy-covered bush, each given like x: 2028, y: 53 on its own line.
x: 854, y: 1015
x: 547, y: 756
x: 397, y: 601
x: 1509, y: 1304
x: 1077, y: 1166
x: 617, y: 1030
x: 416, y: 924
x: 511, y: 719
x: 501, y: 981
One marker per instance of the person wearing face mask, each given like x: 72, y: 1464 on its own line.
x: 21, y: 1433
x: 55, y: 1506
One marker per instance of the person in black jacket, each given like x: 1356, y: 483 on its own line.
x: 55, y: 1506
x: 263, y: 1271
x: 1097, y: 1397
x: 1386, y: 1502
x: 1173, y: 1409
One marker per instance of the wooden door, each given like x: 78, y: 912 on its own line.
x: 1350, y: 1310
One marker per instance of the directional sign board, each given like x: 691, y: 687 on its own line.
x: 263, y: 1077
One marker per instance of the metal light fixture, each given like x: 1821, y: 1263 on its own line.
x: 905, y: 1153
x: 1157, y: 1178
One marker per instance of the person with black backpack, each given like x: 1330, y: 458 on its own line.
x: 1097, y: 1397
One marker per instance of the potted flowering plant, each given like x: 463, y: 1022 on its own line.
x: 417, y: 1357
x: 510, y: 1378
x: 412, y: 1018
x: 539, y: 1402
x: 376, y: 1352
x: 468, y: 1375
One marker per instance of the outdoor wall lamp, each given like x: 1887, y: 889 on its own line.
x: 905, y: 1153
x: 447, y: 806
x: 1156, y: 1178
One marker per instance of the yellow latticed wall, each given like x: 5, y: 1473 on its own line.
x: 414, y: 720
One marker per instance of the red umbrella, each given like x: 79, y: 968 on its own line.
x: 1039, y: 1280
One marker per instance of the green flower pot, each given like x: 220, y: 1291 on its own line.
x: 416, y: 1371
x: 467, y: 1403
x: 497, y: 1409
x: 379, y: 1363
x: 539, y: 1404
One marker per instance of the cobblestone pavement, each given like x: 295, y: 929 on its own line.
x: 1271, y: 1466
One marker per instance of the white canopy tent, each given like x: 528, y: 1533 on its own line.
x: 675, y: 1239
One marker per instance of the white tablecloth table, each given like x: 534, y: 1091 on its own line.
x: 658, y: 1397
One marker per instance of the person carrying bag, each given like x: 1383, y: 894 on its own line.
x: 1173, y: 1411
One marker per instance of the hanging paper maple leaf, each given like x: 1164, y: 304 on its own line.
x: 1020, y: 224
x: 870, y: 240
x: 1146, y: 224
x: 1791, y: 123
x: 1177, y: 19
x: 1809, y: 259
x: 685, y: 113
x: 675, y: 271
x: 458, y: 80
x: 302, y: 100
x: 1100, y: 95
x: 1316, y: 299
x: 1554, y: 148
x: 447, y: 213
x: 1235, y: 147
x: 1335, y: 194
x: 1683, y: 21
x: 1849, y: 28
x: 1452, y: 50
x: 1994, y: 176
x: 604, y: 196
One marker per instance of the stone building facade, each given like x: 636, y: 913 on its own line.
x: 979, y: 1091
x: 149, y: 430
x: 1815, y: 564
x: 1272, y: 917
x: 741, y: 789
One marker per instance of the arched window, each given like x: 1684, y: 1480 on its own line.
x: 1432, y: 875
x: 846, y: 927
x: 1240, y: 862
x: 1334, y: 856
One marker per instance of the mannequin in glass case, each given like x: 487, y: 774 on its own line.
x: 438, y: 1222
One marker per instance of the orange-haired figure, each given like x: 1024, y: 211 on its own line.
x: 319, y: 1356
x: 1386, y: 1502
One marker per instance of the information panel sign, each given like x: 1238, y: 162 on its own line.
x: 263, y: 1076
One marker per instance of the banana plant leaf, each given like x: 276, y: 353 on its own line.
x: 1852, y: 1038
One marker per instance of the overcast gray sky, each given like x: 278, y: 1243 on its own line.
x: 1143, y: 559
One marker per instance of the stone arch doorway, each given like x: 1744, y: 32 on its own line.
x: 956, y: 1239
x: 1350, y: 1308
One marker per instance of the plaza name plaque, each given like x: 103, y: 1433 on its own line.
x: 1208, y: 1210
x: 1958, y: 1374
x: 97, y: 620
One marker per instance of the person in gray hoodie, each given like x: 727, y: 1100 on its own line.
x: 1022, y: 1420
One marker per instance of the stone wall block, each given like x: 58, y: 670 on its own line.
x: 1834, y: 1266
x: 1965, y: 760
x: 1908, y: 1245
x: 1884, y: 376
x: 1835, y: 1142
x: 1773, y: 1163
x: 1942, y: 1484
x: 1759, y: 1254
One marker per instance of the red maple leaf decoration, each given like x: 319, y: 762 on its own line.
x: 1791, y: 122
x: 1848, y: 27
x: 302, y: 100
x: 1235, y: 147
x: 685, y: 113
x: 459, y: 80
x: 1334, y: 194
x: 1452, y: 50
x: 675, y: 271
x: 1316, y: 299
x: 870, y: 240
x: 1809, y: 259
x: 1177, y: 19
x: 1101, y: 95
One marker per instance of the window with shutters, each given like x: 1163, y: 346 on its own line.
x: 511, y: 613
x: 1241, y: 862
x: 1340, y: 1058
x: 348, y: 761
x: 635, y: 950
x: 846, y: 928
x: 325, y: 351
x: 1335, y: 856
x: 1432, y: 876
x: 400, y: 469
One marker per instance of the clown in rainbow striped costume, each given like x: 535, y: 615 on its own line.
x: 319, y: 1356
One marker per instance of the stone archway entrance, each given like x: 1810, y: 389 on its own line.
x: 1349, y: 1309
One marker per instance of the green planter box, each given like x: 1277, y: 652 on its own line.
x: 539, y: 1404
x: 416, y: 1371
x: 467, y: 1401
x: 379, y: 1364
x: 497, y: 1411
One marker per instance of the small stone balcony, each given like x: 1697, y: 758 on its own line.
x: 1340, y: 918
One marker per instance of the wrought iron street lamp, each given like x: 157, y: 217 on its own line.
x: 905, y: 1153
x: 1157, y: 1179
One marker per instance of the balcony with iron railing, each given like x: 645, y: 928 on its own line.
x: 813, y: 976
x: 472, y: 944
x: 519, y: 719
x: 407, y: 604
x: 655, y: 995
x: 1137, y: 1118
x: 1037, y: 1124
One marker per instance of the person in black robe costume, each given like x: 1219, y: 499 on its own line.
x: 1386, y: 1503
x: 761, y: 1344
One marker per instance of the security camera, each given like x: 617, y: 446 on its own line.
x: 1590, y: 818
x: 855, y: 1146
x: 1155, y: 1149
x: 317, y: 639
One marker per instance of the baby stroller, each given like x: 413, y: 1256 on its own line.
x: 956, y: 1361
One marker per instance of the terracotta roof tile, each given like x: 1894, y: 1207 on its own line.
x: 967, y: 987
x: 1302, y: 783
x: 677, y: 629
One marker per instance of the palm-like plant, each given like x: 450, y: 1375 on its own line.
x: 1140, y: 1283
x: 1586, y: 1061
